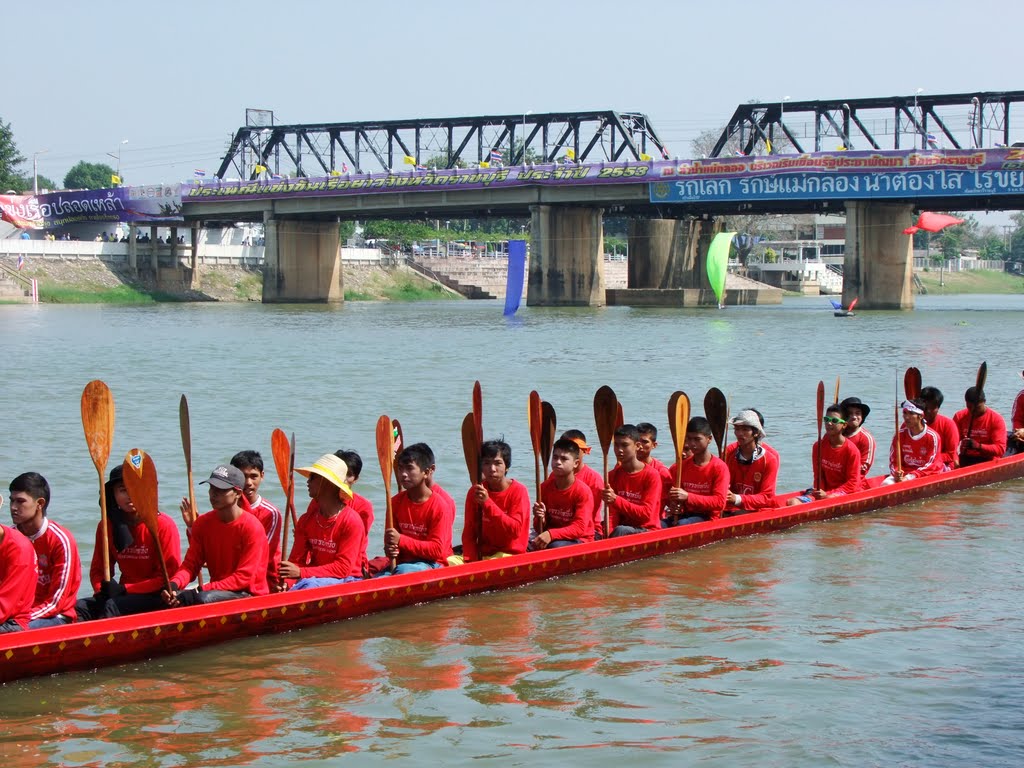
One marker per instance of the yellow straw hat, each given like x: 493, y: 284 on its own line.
x: 332, y: 468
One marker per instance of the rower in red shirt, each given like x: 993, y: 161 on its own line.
x: 918, y: 445
x: 1017, y: 421
x: 840, y: 462
x: 634, y: 489
x: 591, y: 478
x: 133, y: 550
x: 423, y: 518
x: 565, y: 513
x: 60, y: 571
x: 945, y: 427
x: 704, y: 480
x: 497, y: 510
x: 987, y: 438
x: 644, y: 451
x: 251, y: 464
x: 330, y: 542
x: 753, y: 470
x: 855, y: 412
x: 229, y: 540
x: 18, y: 577
x: 361, y: 505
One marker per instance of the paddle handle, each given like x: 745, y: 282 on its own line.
x: 103, y: 524
x: 607, y: 511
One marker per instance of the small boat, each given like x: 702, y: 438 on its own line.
x: 110, y: 642
x: 841, y: 311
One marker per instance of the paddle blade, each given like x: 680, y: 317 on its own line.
x: 680, y: 417
x: 979, y: 382
x: 186, y: 431
x: 672, y: 400
x: 620, y: 419
x: 549, y: 427
x: 282, y: 455
x: 534, y: 420
x: 140, y: 480
x: 471, y: 448
x: 478, y: 412
x: 716, y: 410
x: 98, y: 422
x: 606, y: 413
x: 386, y: 451
x: 836, y: 398
x: 912, y: 383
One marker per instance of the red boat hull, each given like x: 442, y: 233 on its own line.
x: 130, y: 638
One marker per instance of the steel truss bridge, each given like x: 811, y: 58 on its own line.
x: 261, y: 149
x: 952, y: 121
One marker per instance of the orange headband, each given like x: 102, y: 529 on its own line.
x: 583, y: 446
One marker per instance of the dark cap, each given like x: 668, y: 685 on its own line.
x: 855, y: 402
x: 116, y: 474
x: 225, y: 476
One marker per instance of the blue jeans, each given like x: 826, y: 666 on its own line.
x: 322, y: 581
x: 52, y: 621
x: 558, y: 543
x: 690, y: 520
x: 626, y: 530
x: 409, y: 568
x: 194, y: 597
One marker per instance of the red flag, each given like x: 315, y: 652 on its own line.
x: 932, y: 222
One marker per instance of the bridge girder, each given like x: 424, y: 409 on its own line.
x: 367, y: 147
x: 756, y: 126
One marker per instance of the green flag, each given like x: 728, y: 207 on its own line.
x: 718, y: 262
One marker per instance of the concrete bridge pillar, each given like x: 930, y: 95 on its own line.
x: 302, y: 262
x: 566, y: 257
x: 878, y: 266
x: 670, y: 254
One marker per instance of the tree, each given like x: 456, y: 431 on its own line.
x: 89, y: 176
x: 10, y: 160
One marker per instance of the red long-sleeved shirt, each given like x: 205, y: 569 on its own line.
x: 425, y: 528
x: 60, y: 572
x: 235, y: 554
x: 506, y: 523
x: 362, y: 507
x: 332, y: 548
x: 840, y: 467
x: 18, y: 577
x: 270, y: 518
x: 754, y: 481
x: 141, y: 573
x: 987, y: 430
x: 638, y: 498
x: 865, y: 443
x: 949, y: 439
x: 570, y: 512
x: 593, y: 480
x: 1017, y: 414
x: 920, y: 454
x: 706, y: 486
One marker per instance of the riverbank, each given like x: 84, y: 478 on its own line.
x: 972, y: 281
x: 94, y: 282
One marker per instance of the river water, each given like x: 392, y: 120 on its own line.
x: 890, y: 638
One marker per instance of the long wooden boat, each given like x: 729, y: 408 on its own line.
x: 108, y: 642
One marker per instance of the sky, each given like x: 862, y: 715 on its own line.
x: 167, y: 84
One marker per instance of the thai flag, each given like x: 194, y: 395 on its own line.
x: 933, y: 142
x: 21, y: 261
x: 495, y: 156
x: 199, y: 173
x: 277, y: 176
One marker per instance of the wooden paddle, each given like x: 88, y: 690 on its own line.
x: 836, y: 398
x: 284, y: 463
x: 535, y: 423
x: 619, y: 418
x: 606, y: 414
x: 471, y: 450
x: 139, y: 475
x: 896, y: 424
x: 186, y: 446
x: 979, y: 386
x: 679, y: 417
x: 98, y: 425
x: 478, y: 433
x: 398, y: 443
x: 912, y: 383
x: 386, y: 457
x: 821, y: 415
x: 716, y: 409
x: 549, y: 427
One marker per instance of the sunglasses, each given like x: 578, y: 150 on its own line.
x: 833, y: 420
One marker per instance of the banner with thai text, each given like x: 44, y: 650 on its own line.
x: 154, y: 204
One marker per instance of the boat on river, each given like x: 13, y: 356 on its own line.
x: 110, y: 642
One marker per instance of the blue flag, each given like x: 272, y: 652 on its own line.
x: 516, y: 271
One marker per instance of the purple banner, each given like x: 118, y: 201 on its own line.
x: 153, y: 204
x: 414, y: 180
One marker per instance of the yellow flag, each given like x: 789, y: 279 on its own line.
x: 571, y: 154
x: 335, y: 173
x: 115, y: 179
x: 260, y: 168
x: 484, y: 164
x: 645, y: 157
x: 768, y: 145
x: 410, y: 160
